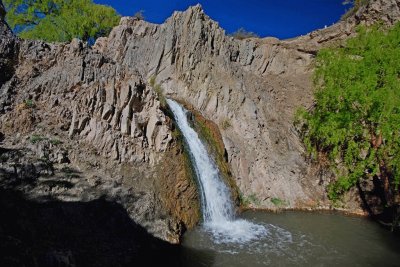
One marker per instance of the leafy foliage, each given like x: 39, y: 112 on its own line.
x: 356, y: 118
x: 60, y: 20
x: 29, y: 103
x: 225, y: 124
x: 246, y: 201
x: 278, y: 202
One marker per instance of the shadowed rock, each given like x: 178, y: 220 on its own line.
x: 95, y: 233
x: 8, y: 49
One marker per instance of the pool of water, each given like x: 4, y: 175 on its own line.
x: 297, y: 239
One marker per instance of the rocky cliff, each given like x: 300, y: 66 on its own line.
x: 77, y: 125
x: 87, y: 123
x: 250, y: 88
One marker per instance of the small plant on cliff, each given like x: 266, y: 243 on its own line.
x: 29, y: 103
x: 26, y: 104
x: 160, y: 95
x: 152, y: 81
x: 355, y: 6
x: 55, y: 142
x: 278, y: 202
x: 241, y: 34
x: 225, y: 124
x: 251, y: 199
x: 157, y: 88
x: 254, y: 199
x: 139, y: 15
x: 355, y: 122
x: 244, y: 201
x: 59, y: 20
x: 35, y: 138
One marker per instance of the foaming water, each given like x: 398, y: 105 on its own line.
x: 218, y: 212
x: 235, y: 231
x: 297, y: 239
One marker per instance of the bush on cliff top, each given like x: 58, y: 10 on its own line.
x: 356, y: 5
x: 242, y: 34
x: 60, y: 20
x: 356, y: 117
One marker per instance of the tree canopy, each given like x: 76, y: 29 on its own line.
x: 60, y: 20
x: 356, y: 118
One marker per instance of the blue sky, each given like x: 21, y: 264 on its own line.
x: 278, y: 18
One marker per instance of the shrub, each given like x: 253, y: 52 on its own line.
x: 241, y: 34
x: 35, y: 138
x: 248, y: 200
x: 157, y: 88
x: 356, y: 118
x: 356, y: 5
x: 26, y: 104
x: 55, y: 142
x: 139, y: 15
x: 29, y: 103
x: 59, y: 20
x: 225, y: 124
x: 278, y: 202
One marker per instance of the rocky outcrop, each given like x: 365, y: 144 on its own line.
x: 239, y: 82
x: 250, y: 87
x: 122, y: 118
x: 384, y: 11
x: 8, y: 51
x: 375, y: 11
x: 100, y: 128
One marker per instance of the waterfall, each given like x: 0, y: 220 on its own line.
x: 217, y: 208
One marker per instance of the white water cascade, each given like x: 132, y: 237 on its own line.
x: 218, y: 212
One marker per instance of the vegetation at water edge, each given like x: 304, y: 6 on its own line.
x: 355, y: 122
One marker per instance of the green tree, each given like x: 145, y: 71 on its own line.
x: 60, y: 20
x: 356, y: 118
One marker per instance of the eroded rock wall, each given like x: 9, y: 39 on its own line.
x: 250, y: 88
x: 8, y: 52
x: 101, y: 130
x: 247, y: 85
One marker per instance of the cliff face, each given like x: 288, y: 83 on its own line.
x: 78, y: 126
x: 8, y: 49
x: 251, y: 88
x: 91, y: 116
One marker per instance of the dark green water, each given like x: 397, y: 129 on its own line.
x: 299, y: 239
